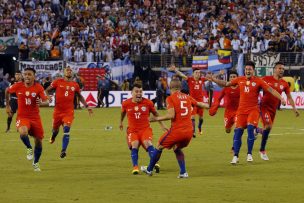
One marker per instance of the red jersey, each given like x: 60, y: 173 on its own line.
x: 196, y: 88
x: 231, y: 97
x: 268, y: 100
x: 249, y: 92
x: 182, y: 105
x: 138, y: 113
x: 64, y: 97
x: 27, y: 96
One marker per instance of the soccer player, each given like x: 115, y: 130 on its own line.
x: 65, y: 90
x: 139, y: 132
x: 30, y: 96
x: 13, y: 102
x: 247, y: 115
x: 195, y: 83
x: 179, y: 107
x: 232, y: 97
x: 270, y: 103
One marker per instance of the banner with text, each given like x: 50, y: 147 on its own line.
x: 264, y: 63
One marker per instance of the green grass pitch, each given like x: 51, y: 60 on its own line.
x: 98, y: 166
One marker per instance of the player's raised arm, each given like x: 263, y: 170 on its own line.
x: 276, y: 94
x: 82, y: 100
x: 162, y: 125
x: 7, y: 99
x: 173, y: 68
x: 222, y: 83
x: 170, y: 115
x: 290, y: 99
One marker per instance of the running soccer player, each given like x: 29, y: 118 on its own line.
x: 65, y: 90
x: 139, y: 132
x: 232, y: 97
x: 270, y: 103
x: 179, y: 107
x: 30, y: 96
x: 13, y: 102
x: 195, y: 83
x: 247, y: 115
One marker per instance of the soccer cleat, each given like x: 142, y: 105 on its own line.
x: 249, y: 158
x: 194, y: 136
x: 184, y: 175
x: 234, y: 160
x: 29, y: 154
x: 52, y: 140
x: 200, y: 131
x: 135, y: 170
x: 7, y: 130
x: 62, y: 154
x: 36, y: 167
x: 264, y: 156
x: 145, y: 170
x: 157, y: 168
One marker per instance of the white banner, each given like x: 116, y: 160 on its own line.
x: 43, y: 68
x: 298, y: 98
x: 115, y: 97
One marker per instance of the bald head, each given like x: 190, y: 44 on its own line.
x: 175, y: 84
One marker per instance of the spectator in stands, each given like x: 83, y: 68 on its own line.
x: 125, y: 85
x: 55, y: 53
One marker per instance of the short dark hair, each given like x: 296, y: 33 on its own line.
x: 278, y: 63
x: 250, y: 63
x: 30, y: 69
x: 233, y: 72
x: 137, y: 84
x: 18, y: 71
x: 195, y: 69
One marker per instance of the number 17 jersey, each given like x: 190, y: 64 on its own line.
x: 64, y: 98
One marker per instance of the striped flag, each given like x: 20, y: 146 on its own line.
x: 200, y: 62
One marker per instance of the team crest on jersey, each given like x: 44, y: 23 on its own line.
x: 281, y: 87
x: 143, y: 108
x: 33, y: 94
x: 27, y: 93
x: 253, y: 84
x: 247, y: 82
x: 136, y: 108
x: 73, y: 89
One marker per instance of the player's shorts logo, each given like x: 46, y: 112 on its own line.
x: 33, y: 94
x: 143, y: 108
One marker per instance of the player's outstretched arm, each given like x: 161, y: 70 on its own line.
x: 42, y: 103
x: 222, y: 83
x: 295, y: 110
x: 7, y: 98
x: 82, y: 100
x: 162, y: 125
x: 122, y: 117
x: 173, y: 68
x: 276, y: 94
x: 202, y: 105
x: 170, y: 115
x: 47, y: 92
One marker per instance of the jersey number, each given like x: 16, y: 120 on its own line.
x: 66, y: 93
x: 183, y: 107
x: 28, y: 101
x: 246, y: 89
x: 137, y: 115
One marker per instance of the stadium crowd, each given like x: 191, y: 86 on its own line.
x: 91, y: 30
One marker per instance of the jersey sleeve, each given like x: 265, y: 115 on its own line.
x: 152, y: 107
x: 222, y: 94
x: 123, y: 106
x: 263, y: 84
x: 13, y: 88
x: 41, y: 93
x: 54, y: 84
x: 77, y: 88
x: 169, y: 102
x: 287, y: 89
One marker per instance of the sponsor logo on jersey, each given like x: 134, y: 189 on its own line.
x: 27, y: 93
x: 33, y: 94
x: 73, y: 89
x: 136, y: 108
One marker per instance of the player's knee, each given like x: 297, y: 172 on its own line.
x: 38, y: 142
x: 23, y: 131
x: 66, y: 130
x: 228, y: 130
x: 147, y: 143
x: 267, y: 127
